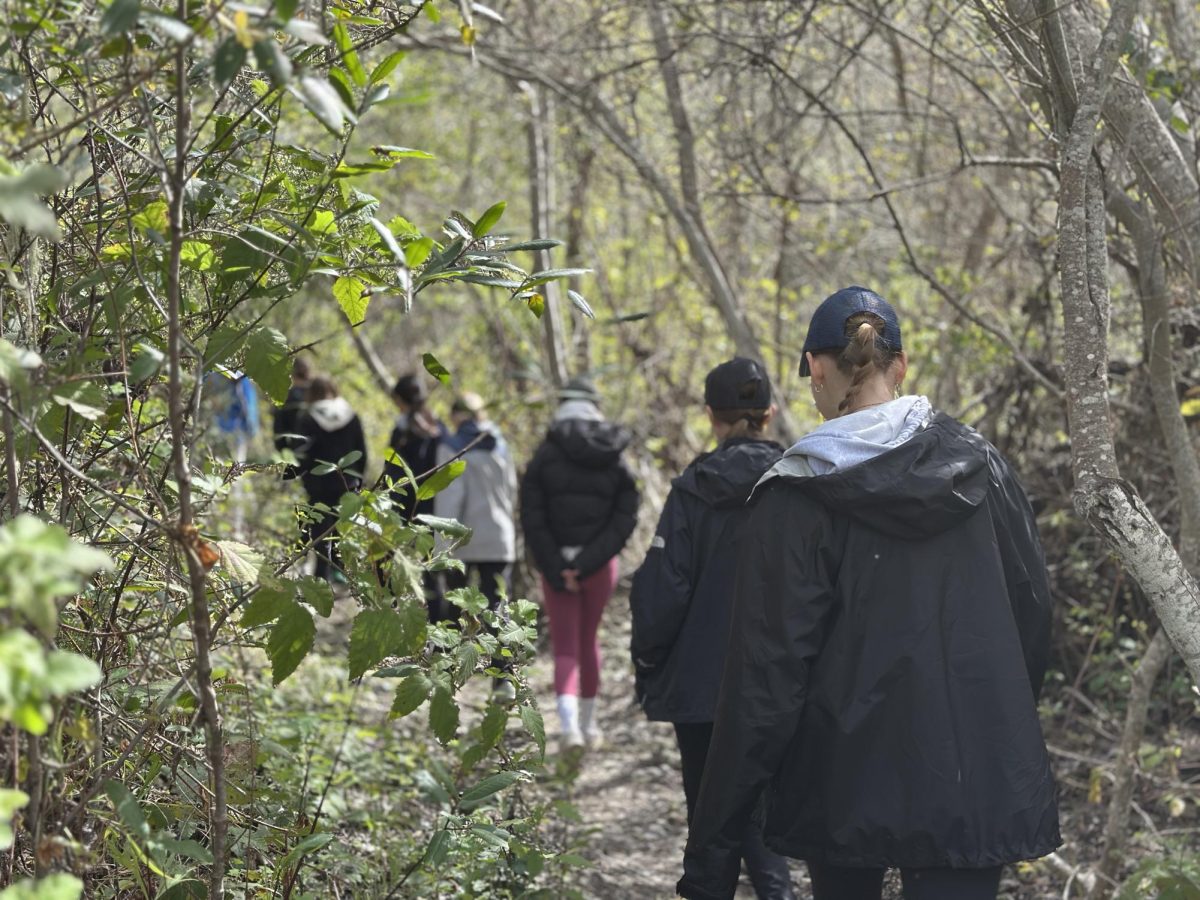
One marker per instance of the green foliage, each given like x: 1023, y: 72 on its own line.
x: 1172, y: 877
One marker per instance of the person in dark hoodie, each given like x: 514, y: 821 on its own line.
x: 889, y: 640
x: 285, y: 420
x: 578, y: 507
x: 330, y: 433
x: 682, y: 595
x: 414, y: 442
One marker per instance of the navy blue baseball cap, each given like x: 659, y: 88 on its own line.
x: 827, y: 330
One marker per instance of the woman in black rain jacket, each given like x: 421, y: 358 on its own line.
x: 888, y: 644
x: 683, y: 593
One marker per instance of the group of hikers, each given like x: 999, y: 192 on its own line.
x: 848, y: 635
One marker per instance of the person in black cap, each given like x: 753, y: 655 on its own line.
x: 578, y: 507
x: 890, y: 633
x: 683, y: 593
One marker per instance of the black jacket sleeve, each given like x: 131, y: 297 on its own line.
x: 662, y: 587
x: 1024, y: 571
x: 608, y: 543
x: 358, y: 441
x: 782, y: 602
x: 535, y: 521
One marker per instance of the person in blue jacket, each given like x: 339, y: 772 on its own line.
x: 682, y: 595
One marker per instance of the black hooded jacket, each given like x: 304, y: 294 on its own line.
x: 331, y: 432
x: 683, y: 593
x: 578, y: 492
x: 889, y: 640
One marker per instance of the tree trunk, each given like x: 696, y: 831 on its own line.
x: 541, y: 203
x: 1109, y: 503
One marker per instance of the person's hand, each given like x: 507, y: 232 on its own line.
x: 570, y: 578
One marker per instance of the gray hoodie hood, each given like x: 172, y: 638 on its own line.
x: 331, y: 413
x: 855, y: 438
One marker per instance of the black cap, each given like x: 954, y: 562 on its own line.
x: 579, y: 388
x: 827, y: 330
x: 740, y: 383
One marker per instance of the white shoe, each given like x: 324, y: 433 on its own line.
x: 571, y: 742
x: 593, y: 738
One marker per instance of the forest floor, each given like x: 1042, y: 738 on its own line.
x: 630, y: 796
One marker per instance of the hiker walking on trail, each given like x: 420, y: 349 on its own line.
x: 889, y: 639
x: 482, y: 498
x: 578, y: 508
x: 414, y: 442
x: 682, y: 595
x: 333, y: 457
x: 285, y: 420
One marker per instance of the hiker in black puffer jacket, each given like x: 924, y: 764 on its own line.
x: 331, y: 432
x: 578, y: 507
x: 682, y: 595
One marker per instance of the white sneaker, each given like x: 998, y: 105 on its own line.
x: 571, y: 742
x: 593, y: 738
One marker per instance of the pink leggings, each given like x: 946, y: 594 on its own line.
x: 574, y: 624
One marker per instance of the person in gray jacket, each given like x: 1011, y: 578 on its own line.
x: 482, y: 498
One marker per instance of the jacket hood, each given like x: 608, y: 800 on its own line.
x: 726, y: 476
x: 927, y: 485
x: 590, y: 443
x: 468, y: 431
x: 331, y: 413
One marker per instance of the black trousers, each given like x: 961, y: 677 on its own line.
x: 768, y: 871
x: 321, y: 535
x: 838, y: 883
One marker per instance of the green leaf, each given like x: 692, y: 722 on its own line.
x: 68, y: 672
x: 493, y: 784
x: 351, y: 295
x: 393, y: 152
x: 317, y: 593
x: 531, y: 718
x: 581, y: 304
x: 228, y: 61
x: 10, y: 801
x: 58, y: 886
x: 20, y: 203
x: 240, y: 561
x: 267, y: 362
x: 375, y: 635
x: 418, y: 251
x: 188, y: 849
x: 306, y: 31
x: 538, y: 244
x: 439, y: 844
x: 548, y: 275
x: 448, y: 527
x: 324, y: 102
x: 441, y: 479
x: 269, y: 55
x: 267, y: 605
x: 121, y: 16
x: 146, y: 363
x: 491, y: 729
x: 436, y: 369
x: 443, y: 715
x: 489, y: 219
x: 341, y: 38
x: 177, y: 31
x: 410, y: 694
x: 85, y: 398
x: 389, y: 239
x: 290, y: 641
x: 129, y: 811
x: 310, y: 844
x: 537, y: 304
x: 286, y: 8
x: 385, y: 68
x: 184, y: 888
